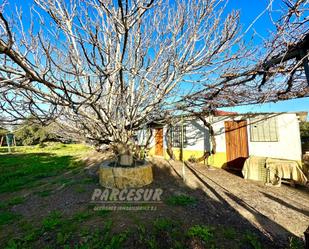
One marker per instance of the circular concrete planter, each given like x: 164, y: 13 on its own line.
x: 125, y: 177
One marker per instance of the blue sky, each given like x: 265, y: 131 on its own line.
x: 292, y: 105
x: 249, y: 10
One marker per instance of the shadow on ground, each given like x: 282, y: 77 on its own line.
x: 214, y: 209
x: 21, y: 170
x: 167, y: 227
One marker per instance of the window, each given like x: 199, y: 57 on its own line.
x: 175, y: 136
x: 263, y: 129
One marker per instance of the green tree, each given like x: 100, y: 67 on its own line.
x: 304, y: 129
x: 3, y: 131
x: 30, y: 133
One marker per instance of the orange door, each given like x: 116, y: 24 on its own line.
x: 159, y: 142
x: 236, y: 140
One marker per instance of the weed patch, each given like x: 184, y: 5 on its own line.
x: 52, y: 221
x: 295, y: 243
x: 205, y: 233
x: 163, y: 224
x: 102, y: 213
x: 7, y: 217
x: 44, y: 193
x: 181, y: 200
x: 229, y: 233
x: 82, y: 216
x: 252, y: 240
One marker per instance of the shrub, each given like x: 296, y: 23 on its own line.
x: 30, y: 133
x: 3, y: 131
x: 304, y: 129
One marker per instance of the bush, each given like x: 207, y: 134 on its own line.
x: 304, y: 129
x: 3, y: 131
x: 32, y: 134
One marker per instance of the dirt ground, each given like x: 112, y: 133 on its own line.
x: 224, y: 201
x: 277, y: 212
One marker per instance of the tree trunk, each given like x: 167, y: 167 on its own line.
x: 126, y: 160
x: 124, y: 153
x: 212, y: 140
x: 169, y: 149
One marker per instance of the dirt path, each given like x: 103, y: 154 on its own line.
x: 277, y: 212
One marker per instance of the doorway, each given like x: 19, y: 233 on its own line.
x: 236, y: 139
x: 159, y: 142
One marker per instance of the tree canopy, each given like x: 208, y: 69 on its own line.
x: 104, y: 69
x: 304, y: 129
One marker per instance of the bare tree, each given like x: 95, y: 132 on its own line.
x: 104, y: 69
x: 274, y: 70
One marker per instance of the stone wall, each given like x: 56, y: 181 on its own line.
x: 125, y: 177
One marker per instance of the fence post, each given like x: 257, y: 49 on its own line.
x: 182, y: 152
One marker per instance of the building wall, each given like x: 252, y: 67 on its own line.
x: 199, y: 142
x: 288, y: 145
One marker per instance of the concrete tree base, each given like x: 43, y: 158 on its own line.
x: 125, y: 177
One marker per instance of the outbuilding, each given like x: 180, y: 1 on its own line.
x: 235, y: 137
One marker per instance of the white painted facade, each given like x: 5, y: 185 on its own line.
x: 288, y: 145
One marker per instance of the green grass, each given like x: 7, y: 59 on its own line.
x: 27, y: 168
x: 82, y: 215
x: 80, y: 189
x: 44, y: 193
x: 163, y: 224
x: 52, y: 221
x: 7, y: 217
x: 251, y: 239
x: 28, y: 165
x: 64, y: 232
x: 205, y: 233
x: 296, y: 243
x: 12, y: 202
x: 102, y: 213
x: 16, y: 200
x: 181, y: 200
x: 229, y: 233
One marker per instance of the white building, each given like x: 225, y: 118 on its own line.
x: 237, y: 137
